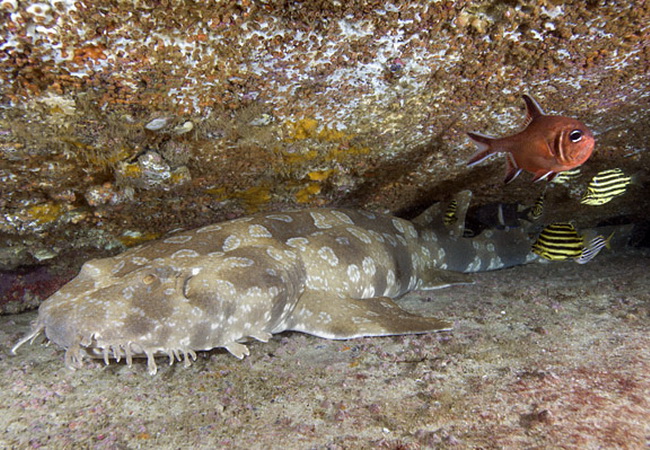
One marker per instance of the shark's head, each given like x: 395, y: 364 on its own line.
x: 128, y: 306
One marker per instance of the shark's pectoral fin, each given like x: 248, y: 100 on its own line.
x: 327, y: 316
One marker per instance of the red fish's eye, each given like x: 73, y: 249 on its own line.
x: 575, y: 136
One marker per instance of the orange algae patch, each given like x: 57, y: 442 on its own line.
x: 306, y: 128
x: 305, y: 194
x: 121, y: 154
x: 302, y: 129
x: 340, y: 154
x: 178, y: 178
x: 332, y: 135
x: 133, y: 239
x: 131, y: 170
x: 218, y: 192
x: 101, y: 157
x: 45, y: 212
x: 332, y: 145
x: 297, y: 158
x: 254, y: 197
x: 320, y: 175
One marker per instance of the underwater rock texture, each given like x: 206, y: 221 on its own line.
x: 121, y: 121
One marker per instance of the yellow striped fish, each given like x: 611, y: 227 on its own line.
x: 537, y: 210
x: 605, y: 186
x: 560, y: 241
x: 566, y: 176
x: 593, y: 248
x: 450, y: 214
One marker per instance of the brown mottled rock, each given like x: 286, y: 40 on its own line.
x: 308, y: 103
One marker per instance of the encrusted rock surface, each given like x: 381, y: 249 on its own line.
x: 121, y: 121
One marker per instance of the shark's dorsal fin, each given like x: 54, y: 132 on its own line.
x: 433, y: 217
x: 429, y: 215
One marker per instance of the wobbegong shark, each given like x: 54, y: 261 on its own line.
x: 329, y: 272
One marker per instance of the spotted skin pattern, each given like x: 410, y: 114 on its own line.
x: 328, y: 272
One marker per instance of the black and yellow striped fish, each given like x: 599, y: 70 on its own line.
x: 605, y: 186
x: 450, y: 214
x: 566, y: 176
x: 537, y: 210
x: 593, y: 248
x: 559, y: 241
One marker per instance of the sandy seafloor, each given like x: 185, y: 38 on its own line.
x: 542, y: 356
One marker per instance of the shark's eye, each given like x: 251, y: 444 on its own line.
x: 148, y: 279
x: 575, y: 136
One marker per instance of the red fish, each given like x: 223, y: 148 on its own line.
x: 546, y: 146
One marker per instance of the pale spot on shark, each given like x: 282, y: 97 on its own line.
x: 342, y: 217
x: 181, y: 239
x: 327, y: 254
x: 359, y: 234
x: 320, y: 220
x: 231, y: 243
x: 185, y: 253
x: 237, y: 261
x: 259, y: 231
x: 138, y: 260
x: 281, y: 217
x: 354, y: 273
x: 369, y: 267
x: 299, y: 243
x: 209, y: 229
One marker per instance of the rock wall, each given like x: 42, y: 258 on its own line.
x: 120, y: 121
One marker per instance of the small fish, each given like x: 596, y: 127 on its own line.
x: 566, y: 176
x: 503, y: 216
x: 450, y: 214
x: 593, y: 248
x: 560, y: 241
x: 537, y: 210
x: 546, y: 146
x: 500, y: 216
x: 605, y: 186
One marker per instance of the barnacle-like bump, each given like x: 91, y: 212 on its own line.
x: 149, y: 278
x: 9, y: 5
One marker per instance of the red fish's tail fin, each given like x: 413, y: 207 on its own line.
x: 485, y: 148
x: 512, y: 169
x: 547, y: 175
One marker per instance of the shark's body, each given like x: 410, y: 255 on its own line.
x: 328, y: 272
